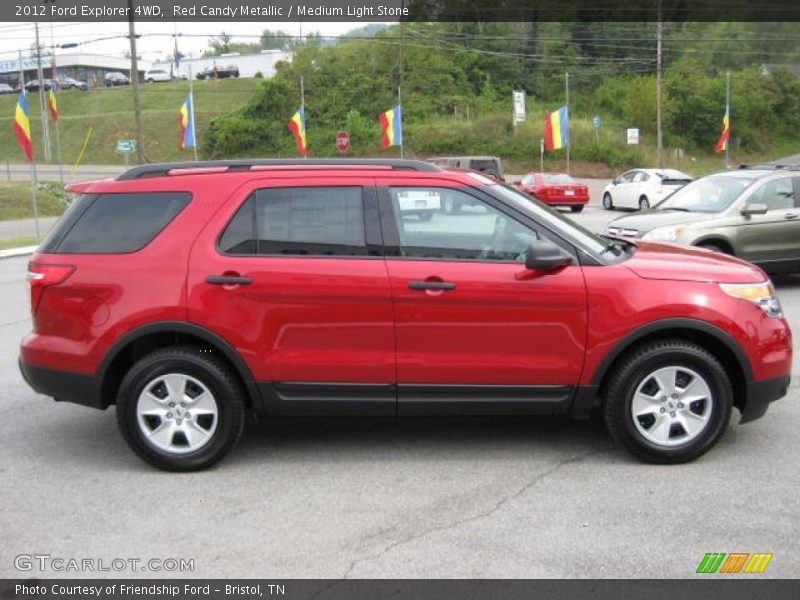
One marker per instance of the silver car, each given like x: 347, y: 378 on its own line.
x: 753, y: 214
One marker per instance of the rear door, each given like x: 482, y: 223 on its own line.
x: 291, y: 274
x: 477, y: 333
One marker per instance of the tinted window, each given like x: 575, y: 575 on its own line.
x: 114, y: 223
x: 476, y: 232
x: 558, y: 178
x: 316, y: 221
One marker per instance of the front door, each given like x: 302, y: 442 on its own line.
x: 477, y: 333
x: 772, y: 238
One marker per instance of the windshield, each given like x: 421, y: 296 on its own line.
x: 710, y: 194
x: 552, y: 217
x: 558, y: 178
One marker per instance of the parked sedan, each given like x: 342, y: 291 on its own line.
x: 219, y: 72
x: 6, y: 89
x: 753, y: 214
x: 643, y: 188
x: 33, y: 85
x: 68, y: 83
x: 555, y: 189
x: 115, y: 78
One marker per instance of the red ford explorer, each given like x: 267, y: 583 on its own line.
x: 188, y: 294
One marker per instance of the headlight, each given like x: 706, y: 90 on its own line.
x: 667, y: 234
x: 762, y: 294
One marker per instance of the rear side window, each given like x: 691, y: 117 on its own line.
x: 312, y: 221
x: 113, y: 223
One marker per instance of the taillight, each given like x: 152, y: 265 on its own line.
x: 41, y: 275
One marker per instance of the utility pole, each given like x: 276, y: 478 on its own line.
x: 400, y: 79
x: 137, y: 101
x: 566, y: 82
x: 42, y: 112
x: 659, y: 109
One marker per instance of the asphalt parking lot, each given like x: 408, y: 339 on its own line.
x: 482, y: 498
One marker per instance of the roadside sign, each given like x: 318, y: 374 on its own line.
x: 519, y: 107
x: 343, y: 141
x: 633, y: 136
x: 596, y: 122
x: 126, y: 146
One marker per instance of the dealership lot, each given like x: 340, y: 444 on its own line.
x: 417, y: 498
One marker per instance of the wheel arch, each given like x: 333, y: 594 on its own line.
x: 143, y: 340
x: 717, y: 241
x: 710, y: 337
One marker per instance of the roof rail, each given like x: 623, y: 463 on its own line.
x: 163, y: 169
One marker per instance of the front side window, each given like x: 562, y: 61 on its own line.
x: 476, y: 232
x: 777, y: 194
x: 302, y: 221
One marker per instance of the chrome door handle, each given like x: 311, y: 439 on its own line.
x: 790, y: 216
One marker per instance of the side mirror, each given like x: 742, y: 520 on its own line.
x: 544, y: 255
x: 753, y: 209
x: 614, y: 181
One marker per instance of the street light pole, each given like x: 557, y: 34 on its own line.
x: 137, y: 101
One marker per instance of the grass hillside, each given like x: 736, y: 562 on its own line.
x: 109, y: 112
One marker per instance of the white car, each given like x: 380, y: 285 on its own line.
x: 157, y: 75
x: 643, y: 188
x: 422, y: 203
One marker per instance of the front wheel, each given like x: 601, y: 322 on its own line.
x: 425, y: 216
x: 608, y: 204
x: 668, y: 401
x: 180, y: 409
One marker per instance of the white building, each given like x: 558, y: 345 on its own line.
x: 249, y: 64
x: 82, y: 66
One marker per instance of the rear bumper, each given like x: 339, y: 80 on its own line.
x: 63, y: 386
x: 761, y: 393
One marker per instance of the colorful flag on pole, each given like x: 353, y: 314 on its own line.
x: 52, y: 105
x: 722, y: 143
x: 391, y: 127
x: 297, y: 125
x: 187, y: 123
x: 556, y: 129
x: 22, y: 127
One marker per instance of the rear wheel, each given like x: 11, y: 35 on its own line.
x: 425, y: 216
x: 180, y: 409
x: 608, y: 204
x: 576, y: 208
x: 668, y: 401
x: 644, y: 203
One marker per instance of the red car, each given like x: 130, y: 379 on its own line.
x: 188, y: 294
x: 555, y: 189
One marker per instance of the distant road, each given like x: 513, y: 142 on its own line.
x: 22, y: 172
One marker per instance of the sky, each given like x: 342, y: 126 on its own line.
x: 156, y: 38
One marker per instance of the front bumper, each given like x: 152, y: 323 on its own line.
x: 64, y: 386
x: 760, y: 394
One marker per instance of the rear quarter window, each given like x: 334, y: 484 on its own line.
x: 113, y: 223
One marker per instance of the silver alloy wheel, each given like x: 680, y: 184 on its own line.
x: 672, y: 406
x: 177, y: 413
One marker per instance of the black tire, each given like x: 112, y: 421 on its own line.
x: 214, y: 375
x: 644, y: 203
x: 608, y: 203
x: 635, y: 368
x: 576, y: 208
x: 425, y: 216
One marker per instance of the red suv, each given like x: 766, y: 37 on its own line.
x: 188, y: 294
